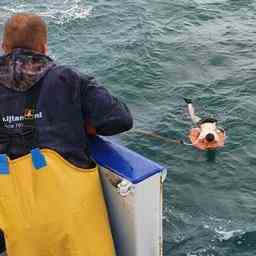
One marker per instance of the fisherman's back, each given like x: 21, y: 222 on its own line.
x: 64, y: 101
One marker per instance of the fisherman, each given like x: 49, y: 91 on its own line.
x: 64, y: 100
x: 206, y: 136
x: 52, y: 107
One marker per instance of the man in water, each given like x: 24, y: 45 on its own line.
x: 207, y: 135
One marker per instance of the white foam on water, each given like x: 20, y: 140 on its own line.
x: 203, y: 251
x: 209, y: 1
x: 65, y: 16
x: 226, y: 235
x: 63, y: 13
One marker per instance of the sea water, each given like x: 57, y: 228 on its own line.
x: 151, y: 54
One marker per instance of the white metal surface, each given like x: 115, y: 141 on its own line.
x: 136, y: 217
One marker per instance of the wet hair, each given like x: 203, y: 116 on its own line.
x: 210, y: 137
x: 25, y: 30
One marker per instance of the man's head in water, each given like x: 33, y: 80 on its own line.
x: 210, y: 137
x: 27, y: 31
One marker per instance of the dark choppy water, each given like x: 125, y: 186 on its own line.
x: 151, y: 53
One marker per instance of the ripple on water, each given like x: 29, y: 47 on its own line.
x: 151, y: 54
x: 59, y: 12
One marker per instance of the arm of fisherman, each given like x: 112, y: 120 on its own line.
x: 104, y: 114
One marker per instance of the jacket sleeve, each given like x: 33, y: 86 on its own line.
x: 102, y: 111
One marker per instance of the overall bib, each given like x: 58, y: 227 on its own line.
x: 48, y: 207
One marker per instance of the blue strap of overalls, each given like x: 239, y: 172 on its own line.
x: 38, y: 161
x: 4, y: 165
x: 38, y: 158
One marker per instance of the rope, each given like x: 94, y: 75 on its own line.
x: 157, y: 136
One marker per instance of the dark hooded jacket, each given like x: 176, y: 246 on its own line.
x: 65, y: 101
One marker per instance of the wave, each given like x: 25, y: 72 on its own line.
x: 238, y: 237
x: 60, y: 14
x: 233, y: 242
x: 227, y: 235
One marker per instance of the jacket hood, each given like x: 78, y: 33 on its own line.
x: 22, y: 69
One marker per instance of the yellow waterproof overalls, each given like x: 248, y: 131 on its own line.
x: 49, y: 207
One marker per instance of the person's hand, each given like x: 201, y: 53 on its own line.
x: 188, y: 101
x: 90, y: 130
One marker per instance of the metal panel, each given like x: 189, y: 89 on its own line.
x: 136, y: 217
